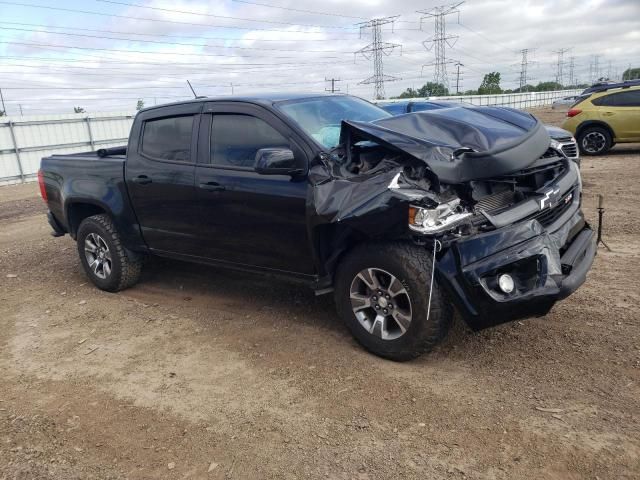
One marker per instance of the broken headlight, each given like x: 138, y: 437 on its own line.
x: 439, y: 219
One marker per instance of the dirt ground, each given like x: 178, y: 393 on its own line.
x: 202, y: 373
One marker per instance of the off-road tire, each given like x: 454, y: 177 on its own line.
x: 126, y: 265
x: 607, y: 141
x: 412, y: 266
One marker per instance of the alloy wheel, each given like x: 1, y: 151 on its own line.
x: 98, y: 255
x: 594, y: 142
x: 380, y: 303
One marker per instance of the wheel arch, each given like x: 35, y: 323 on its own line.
x: 77, y: 211
x: 595, y: 123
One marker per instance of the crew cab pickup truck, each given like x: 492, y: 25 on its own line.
x: 404, y: 218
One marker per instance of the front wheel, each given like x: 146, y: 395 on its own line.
x: 104, y: 259
x: 382, y: 294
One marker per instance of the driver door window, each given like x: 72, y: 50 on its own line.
x: 168, y: 139
x: 235, y: 139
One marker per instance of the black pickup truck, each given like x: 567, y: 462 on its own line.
x: 404, y: 218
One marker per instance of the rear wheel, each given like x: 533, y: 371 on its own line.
x: 104, y: 259
x: 382, y: 294
x: 594, y: 141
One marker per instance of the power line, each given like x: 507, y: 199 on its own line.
x: 202, y: 37
x: 175, y: 43
x: 146, y: 19
x: 440, y: 39
x: 201, y: 14
x: 485, y: 37
x: 314, y: 12
x: 48, y: 45
x: 283, y: 65
x: 375, y: 50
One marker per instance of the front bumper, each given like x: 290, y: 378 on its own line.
x: 547, y: 266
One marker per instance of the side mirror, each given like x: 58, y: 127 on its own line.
x: 276, y: 161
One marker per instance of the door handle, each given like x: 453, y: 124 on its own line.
x: 608, y: 114
x: 212, y: 187
x: 142, y: 180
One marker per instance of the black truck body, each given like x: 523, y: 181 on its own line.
x: 197, y: 184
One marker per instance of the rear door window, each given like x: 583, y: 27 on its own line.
x: 168, y: 138
x: 630, y: 98
x: 235, y: 139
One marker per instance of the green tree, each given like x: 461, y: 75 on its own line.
x: 429, y: 89
x: 408, y: 93
x: 140, y: 104
x: 490, y: 84
x: 631, y: 74
x: 525, y: 88
x: 548, y: 86
x: 78, y: 110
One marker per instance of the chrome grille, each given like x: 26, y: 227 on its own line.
x: 570, y: 149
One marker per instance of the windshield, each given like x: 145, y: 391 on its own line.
x: 321, y: 117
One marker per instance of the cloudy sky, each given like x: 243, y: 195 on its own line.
x: 105, y: 54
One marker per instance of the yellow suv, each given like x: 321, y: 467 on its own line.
x: 609, y: 114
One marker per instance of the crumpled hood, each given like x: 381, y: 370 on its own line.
x: 462, y: 143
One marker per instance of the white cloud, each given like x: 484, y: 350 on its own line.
x: 277, y: 53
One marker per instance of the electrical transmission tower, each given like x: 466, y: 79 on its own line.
x: 572, y: 66
x: 560, y: 65
x: 333, y: 82
x: 524, y: 63
x: 440, y: 39
x: 376, y: 50
x: 594, y: 69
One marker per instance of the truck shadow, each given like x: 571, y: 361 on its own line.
x: 267, y: 299
x: 235, y: 293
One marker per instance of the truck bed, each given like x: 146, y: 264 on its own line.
x: 87, y: 181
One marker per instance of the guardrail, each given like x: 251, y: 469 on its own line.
x: 25, y: 140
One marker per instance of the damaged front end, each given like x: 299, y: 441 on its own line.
x: 503, y: 207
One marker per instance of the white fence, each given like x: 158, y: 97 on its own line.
x: 25, y: 140
x: 515, y: 100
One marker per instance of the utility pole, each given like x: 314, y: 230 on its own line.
x: 560, y: 65
x: 4, y: 109
x: 572, y: 79
x: 333, y: 81
x: 375, y: 50
x: 609, y: 71
x: 231, y: 88
x: 458, y: 65
x: 440, y: 39
x: 20, y: 105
